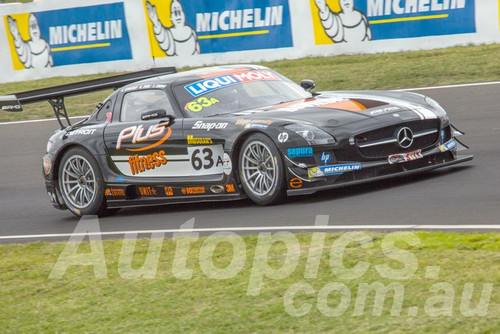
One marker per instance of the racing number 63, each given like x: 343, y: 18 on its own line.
x: 207, y: 156
x: 201, y: 103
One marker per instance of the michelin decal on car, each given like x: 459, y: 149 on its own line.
x: 68, y: 36
x: 180, y: 27
x: 450, y: 145
x: 348, y: 21
x: 333, y: 169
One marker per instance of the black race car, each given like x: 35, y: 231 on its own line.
x: 229, y: 132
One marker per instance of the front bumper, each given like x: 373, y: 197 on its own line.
x: 306, y: 191
x: 369, y: 171
x: 53, y: 193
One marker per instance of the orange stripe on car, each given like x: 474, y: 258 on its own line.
x: 348, y: 105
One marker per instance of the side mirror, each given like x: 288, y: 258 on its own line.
x: 307, y: 84
x: 171, y: 119
x: 153, y: 114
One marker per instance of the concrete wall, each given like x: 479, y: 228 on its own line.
x: 65, y: 38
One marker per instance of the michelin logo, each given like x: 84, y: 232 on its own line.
x: 86, y: 32
x: 333, y: 170
x: 34, y: 52
x: 68, y: 36
x: 448, y: 146
x: 239, y: 19
x: 180, y: 39
x: 348, y: 25
x: 398, y: 7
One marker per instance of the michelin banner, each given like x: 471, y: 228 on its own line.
x: 193, y: 27
x: 59, y: 38
x: 68, y: 36
x: 347, y: 21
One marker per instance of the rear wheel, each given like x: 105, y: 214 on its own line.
x: 261, y: 170
x: 81, y: 183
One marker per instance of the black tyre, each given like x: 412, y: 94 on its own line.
x: 261, y: 170
x: 81, y: 183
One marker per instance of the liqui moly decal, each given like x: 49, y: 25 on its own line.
x: 255, y: 76
x: 204, y: 86
x: 207, y: 85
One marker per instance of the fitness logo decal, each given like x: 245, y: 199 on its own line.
x: 140, y: 164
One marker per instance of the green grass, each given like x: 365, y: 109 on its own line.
x: 378, y: 71
x: 14, y: 1
x: 79, y: 302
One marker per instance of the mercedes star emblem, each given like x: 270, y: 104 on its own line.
x: 405, y: 137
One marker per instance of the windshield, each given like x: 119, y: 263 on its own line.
x: 236, y: 92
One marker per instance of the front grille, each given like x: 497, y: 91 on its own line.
x: 382, y: 142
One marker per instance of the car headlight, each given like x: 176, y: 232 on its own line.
x: 311, y: 134
x: 440, y: 112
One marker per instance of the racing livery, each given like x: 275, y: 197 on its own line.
x: 230, y: 132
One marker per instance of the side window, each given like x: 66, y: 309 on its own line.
x: 102, y: 114
x: 135, y: 103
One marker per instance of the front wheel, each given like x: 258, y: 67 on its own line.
x: 81, y: 183
x: 261, y: 170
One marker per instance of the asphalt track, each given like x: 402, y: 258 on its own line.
x: 467, y: 194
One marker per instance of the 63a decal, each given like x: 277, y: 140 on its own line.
x: 206, y: 160
x: 200, y: 104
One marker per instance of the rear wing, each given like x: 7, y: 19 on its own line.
x: 55, y: 95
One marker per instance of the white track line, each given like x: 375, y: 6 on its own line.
x: 262, y: 228
x: 450, y: 86
x: 39, y: 120
x: 397, y: 90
